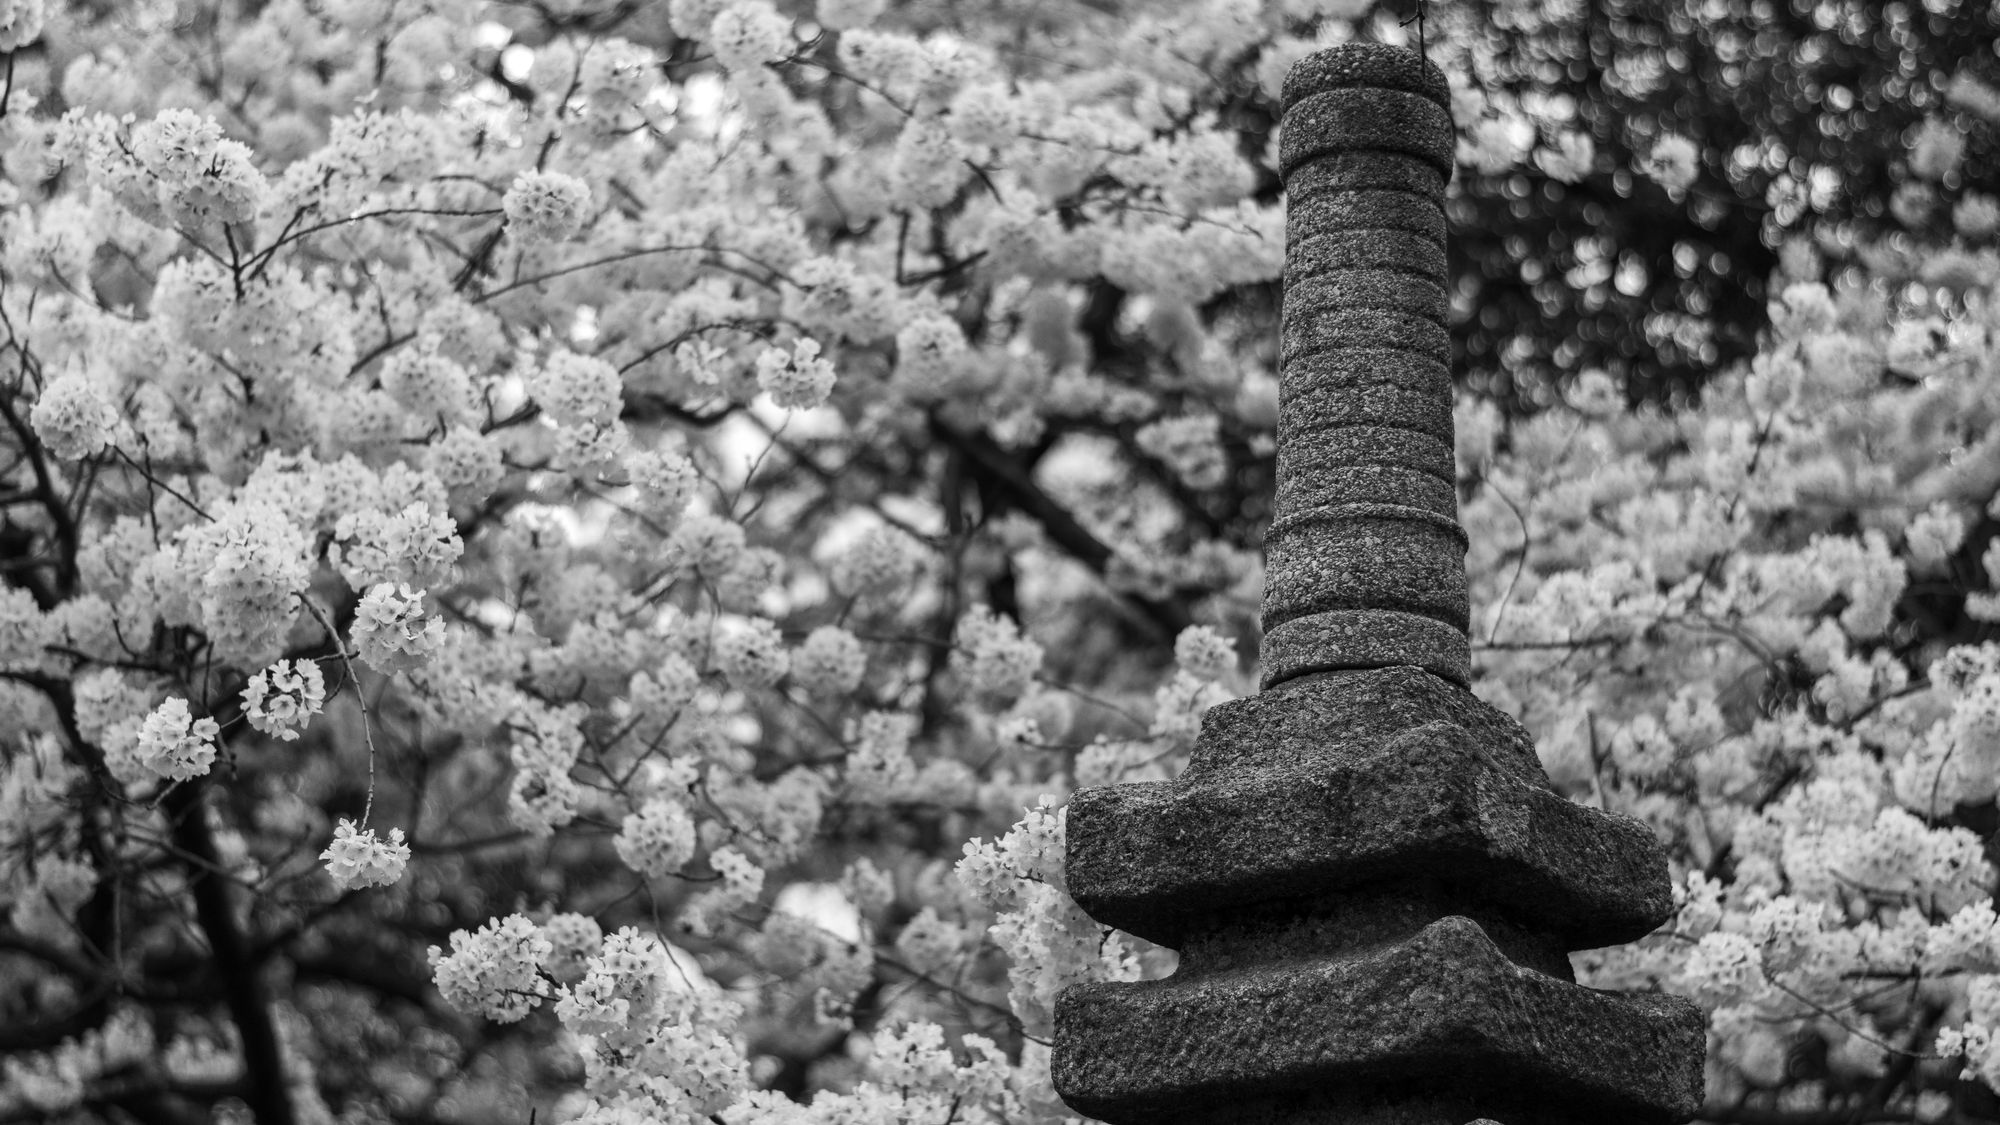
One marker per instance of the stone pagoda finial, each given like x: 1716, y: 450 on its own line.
x: 1371, y: 884
x: 1366, y: 559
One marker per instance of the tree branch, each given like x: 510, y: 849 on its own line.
x: 266, y: 1089
x: 992, y: 466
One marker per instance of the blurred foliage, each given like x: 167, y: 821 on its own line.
x: 1802, y: 112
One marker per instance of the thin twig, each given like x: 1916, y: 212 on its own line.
x: 360, y: 698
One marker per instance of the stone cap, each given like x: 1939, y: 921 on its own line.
x: 1445, y: 1011
x: 1342, y: 713
x: 1366, y: 96
x: 1335, y: 781
x: 1161, y: 860
x: 1368, y: 65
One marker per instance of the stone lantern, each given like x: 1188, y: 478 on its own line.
x: 1371, y: 884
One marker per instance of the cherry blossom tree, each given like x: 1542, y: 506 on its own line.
x: 563, y: 558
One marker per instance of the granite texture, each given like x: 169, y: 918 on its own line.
x: 1444, y: 1008
x: 1362, y: 558
x: 1315, y: 254
x: 1335, y: 389
x: 1310, y: 331
x: 1342, y: 715
x: 1310, y: 816
x: 1382, y: 447
x: 1373, y: 888
x: 1380, y: 288
x: 1338, y: 640
x: 1368, y: 209
x: 1365, y: 535
x: 1316, y: 484
x: 1360, y: 172
x: 1367, y: 66
x: 1386, y: 121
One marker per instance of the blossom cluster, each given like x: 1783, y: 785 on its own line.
x: 359, y: 858
x: 175, y: 744
x: 282, y: 699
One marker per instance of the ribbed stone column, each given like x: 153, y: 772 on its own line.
x: 1371, y: 884
x: 1366, y: 561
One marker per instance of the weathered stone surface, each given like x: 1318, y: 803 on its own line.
x: 1372, y: 886
x: 1372, y: 445
x: 1428, y: 802
x: 1339, y: 640
x: 1343, y: 715
x: 1362, y: 171
x: 1337, y: 923
x: 1309, y: 331
x: 1444, y: 1009
x: 1379, y: 120
x: 1365, y: 557
x: 1367, y: 209
x: 1334, y: 391
x: 1384, y: 289
x: 1373, y: 67
x: 1316, y: 254
x: 1316, y: 485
